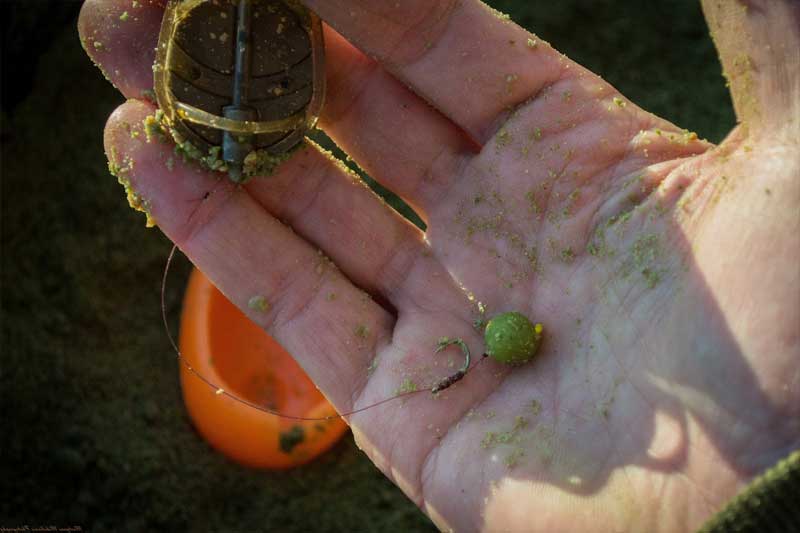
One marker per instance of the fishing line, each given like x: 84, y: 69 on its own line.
x: 222, y: 392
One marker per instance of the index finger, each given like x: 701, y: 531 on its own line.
x: 468, y: 60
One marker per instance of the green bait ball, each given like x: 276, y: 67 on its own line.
x: 511, y: 338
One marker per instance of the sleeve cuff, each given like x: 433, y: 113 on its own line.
x: 771, y: 503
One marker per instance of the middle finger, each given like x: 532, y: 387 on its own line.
x: 468, y: 60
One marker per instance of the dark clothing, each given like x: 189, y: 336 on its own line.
x: 771, y: 503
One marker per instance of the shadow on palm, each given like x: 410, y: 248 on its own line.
x: 578, y: 222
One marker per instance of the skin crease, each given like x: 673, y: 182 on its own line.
x: 664, y: 269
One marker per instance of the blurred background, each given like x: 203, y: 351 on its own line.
x: 94, y: 432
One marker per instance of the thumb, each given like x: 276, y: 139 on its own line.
x: 759, y: 46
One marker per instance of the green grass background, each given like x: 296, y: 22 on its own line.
x: 93, y: 429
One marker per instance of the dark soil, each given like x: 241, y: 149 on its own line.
x: 94, y: 432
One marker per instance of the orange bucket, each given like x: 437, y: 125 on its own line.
x: 239, y: 357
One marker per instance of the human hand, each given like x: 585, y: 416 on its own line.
x: 664, y: 269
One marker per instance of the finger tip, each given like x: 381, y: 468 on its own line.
x: 124, y: 129
x: 143, y: 159
x: 130, y: 154
x: 120, y: 37
x: 88, y: 22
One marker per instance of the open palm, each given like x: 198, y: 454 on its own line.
x: 663, y: 269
